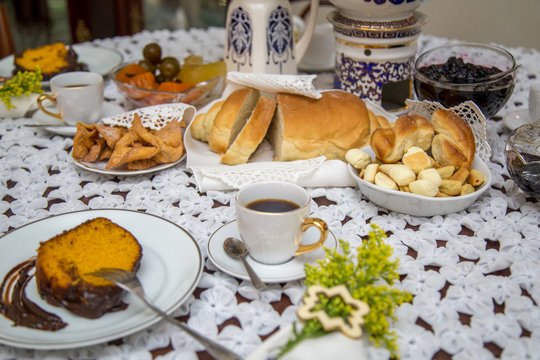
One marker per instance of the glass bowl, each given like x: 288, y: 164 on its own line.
x: 522, y: 154
x: 198, y: 95
x: 447, y: 74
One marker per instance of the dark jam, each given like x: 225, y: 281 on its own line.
x: 15, y: 305
x: 490, y: 97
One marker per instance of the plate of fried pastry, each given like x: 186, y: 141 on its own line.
x: 137, y: 142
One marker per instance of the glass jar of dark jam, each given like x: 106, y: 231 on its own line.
x: 456, y: 73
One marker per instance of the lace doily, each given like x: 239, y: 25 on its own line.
x: 154, y: 117
x: 475, y: 274
x: 240, y: 175
x: 468, y: 111
x: 274, y: 83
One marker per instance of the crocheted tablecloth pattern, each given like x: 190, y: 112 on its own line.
x: 475, y: 275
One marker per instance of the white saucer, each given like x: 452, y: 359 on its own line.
x: 515, y: 119
x: 291, y: 270
x: 40, y: 118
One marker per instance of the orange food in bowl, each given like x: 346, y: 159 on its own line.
x: 127, y: 72
x: 145, y: 80
x: 174, y: 86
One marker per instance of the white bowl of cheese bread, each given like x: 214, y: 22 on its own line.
x: 421, y: 167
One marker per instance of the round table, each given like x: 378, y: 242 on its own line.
x: 475, y: 275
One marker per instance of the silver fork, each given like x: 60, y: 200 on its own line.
x: 129, y: 281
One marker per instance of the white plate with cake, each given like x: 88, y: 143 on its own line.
x: 170, y: 268
x: 96, y: 59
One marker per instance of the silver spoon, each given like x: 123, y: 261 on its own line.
x: 236, y: 248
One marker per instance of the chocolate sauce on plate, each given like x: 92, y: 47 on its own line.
x: 16, y: 306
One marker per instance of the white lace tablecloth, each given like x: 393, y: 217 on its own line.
x: 475, y: 296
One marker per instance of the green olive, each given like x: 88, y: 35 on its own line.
x: 152, y: 53
x: 148, y: 65
x: 169, y: 68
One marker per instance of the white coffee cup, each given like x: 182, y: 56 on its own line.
x: 78, y: 97
x: 275, y: 237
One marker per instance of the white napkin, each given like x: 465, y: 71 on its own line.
x: 274, y: 83
x: 154, y: 117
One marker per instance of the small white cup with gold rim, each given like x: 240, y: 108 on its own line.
x: 78, y: 97
x: 272, y: 219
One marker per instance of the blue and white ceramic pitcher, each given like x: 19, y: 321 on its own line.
x: 261, y: 39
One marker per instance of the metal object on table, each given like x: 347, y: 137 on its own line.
x: 237, y: 249
x: 48, y: 125
x: 129, y: 281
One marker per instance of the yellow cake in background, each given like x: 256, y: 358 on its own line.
x: 52, y: 59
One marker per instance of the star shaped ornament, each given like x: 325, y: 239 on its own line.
x: 352, y: 328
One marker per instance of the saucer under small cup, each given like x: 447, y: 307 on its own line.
x: 42, y: 119
x: 288, y: 271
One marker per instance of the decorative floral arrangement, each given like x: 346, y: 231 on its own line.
x: 368, y: 277
x: 23, y: 83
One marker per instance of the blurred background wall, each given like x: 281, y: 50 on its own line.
x: 510, y: 23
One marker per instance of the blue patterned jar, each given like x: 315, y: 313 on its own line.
x: 375, y: 59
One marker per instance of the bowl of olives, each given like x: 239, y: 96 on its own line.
x: 158, y: 79
x: 455, y: 73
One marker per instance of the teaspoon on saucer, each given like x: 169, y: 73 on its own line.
x: 237, y: 249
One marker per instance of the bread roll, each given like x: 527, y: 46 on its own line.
x: 417, y: 160
x: 391, y: 143
x: 377, y: 121
x: 202, y: 124
x: 384, y: 181
x: 446, y: 171
x: 476, y: 178
x: 460, y: 175
x: 454, y: 142
x: 370, y: 172
x: 304, y: 128
x: 401, y: 174
x: 424, y: 187
x: 358, y: 158
x: 232, y: 117
x: 450, y: 187
x: 252, y: 134
x: 431, y: 175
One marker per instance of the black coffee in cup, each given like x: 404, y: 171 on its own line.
x: 272, y: 205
